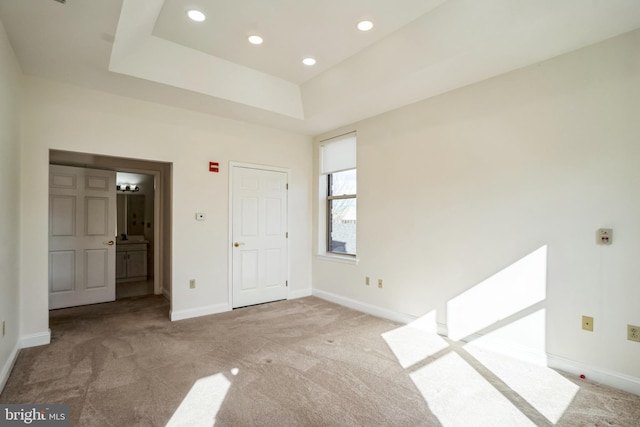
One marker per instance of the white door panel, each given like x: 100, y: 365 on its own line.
x: 249, y: 217
x: 82, y: 205
x: 62, y: 215
x: 62, y: 271
x: 97, y: 216
x: 62, y: 180
x: 96, y: 182
x: 96, y: 261
x: 259, y: 227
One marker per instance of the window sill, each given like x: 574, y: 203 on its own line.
x: 338, y: 258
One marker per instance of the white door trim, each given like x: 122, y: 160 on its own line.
x: 232, y: 165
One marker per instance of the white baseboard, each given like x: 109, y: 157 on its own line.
x: 442, y: 329
x: 26, y: 341
x: 200, y: 311
x: 364, y: 307
x: 34, y: 340
x: 599, y: 375
x: 300, y: 293
x: 8, y: 366
x: 595, y: 374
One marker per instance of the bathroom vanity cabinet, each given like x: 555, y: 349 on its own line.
x: 131, y: 261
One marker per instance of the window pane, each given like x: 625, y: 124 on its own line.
x: 342, y: 226
x: 342, y: 183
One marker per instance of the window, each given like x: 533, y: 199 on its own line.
x: 338, y: 167
x: 341, y: 214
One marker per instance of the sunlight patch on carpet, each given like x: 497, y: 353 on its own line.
x: 459, y: 396
x: 202, y: 403
x: 543, y: 388
x: 416, y: 341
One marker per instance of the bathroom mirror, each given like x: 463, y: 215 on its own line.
x: 131, y: 214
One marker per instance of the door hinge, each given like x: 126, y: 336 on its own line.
x: 287, y: 283
x: 287, y: 185
x: 286, y: 234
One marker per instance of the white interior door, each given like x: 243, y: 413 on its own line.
x: 259, y: 236
x: 82, y: 221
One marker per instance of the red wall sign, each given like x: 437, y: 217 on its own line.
x: 214, y: 167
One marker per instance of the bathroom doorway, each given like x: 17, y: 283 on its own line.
x: 135, y: 236
x: 156, y: 224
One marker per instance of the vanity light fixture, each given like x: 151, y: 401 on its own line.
x: 255, y: 39
x: 365, y: 25
x: 196, y: 15
x: 309, y: 61
x: 128, y: 188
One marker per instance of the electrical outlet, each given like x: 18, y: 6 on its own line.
x: 380, y: 283
x: 587, y: 323
x: 633, y: 333
x: 367, y: 281
x: 604, y: 236
x: 192, y: 283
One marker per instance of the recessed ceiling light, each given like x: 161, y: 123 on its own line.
x: 255, y: 40
x: 365, y: 25
x: 309, y: 61
x: 196, y: 15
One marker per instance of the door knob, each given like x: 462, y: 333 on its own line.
x: 236, y: 244
x: 110, y: 243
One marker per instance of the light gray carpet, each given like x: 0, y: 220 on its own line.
x: 304, y: 362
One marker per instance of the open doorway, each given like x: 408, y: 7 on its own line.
x: 152, y: 219
x: 135, y: 237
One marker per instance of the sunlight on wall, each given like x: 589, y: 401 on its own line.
x: 543, y: 388
x: 503, y: 319
x: 459, y: 396
x: 416, y: 341
x: 523, y: 338
x: 202, y: 403
x: 516, y: 287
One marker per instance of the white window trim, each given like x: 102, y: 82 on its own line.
x: 344, y: 259
x: 322, y: 253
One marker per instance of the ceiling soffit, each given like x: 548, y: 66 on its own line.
x: 136, y: 52
x: 458, y: 42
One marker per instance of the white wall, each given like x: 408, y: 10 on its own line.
x: 457, y: 188
x: 65, y: 117
x: 9, y: 207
